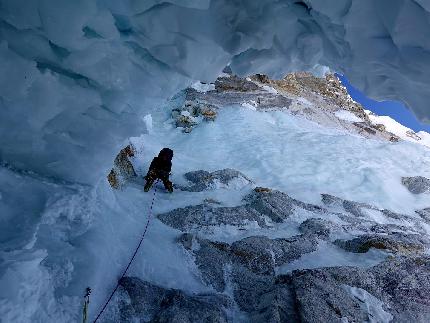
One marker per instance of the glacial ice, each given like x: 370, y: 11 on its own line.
x: 79, y: 76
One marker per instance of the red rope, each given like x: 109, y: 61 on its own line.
x: 132, y: 258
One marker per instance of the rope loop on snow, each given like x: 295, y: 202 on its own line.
x: 132, y: 258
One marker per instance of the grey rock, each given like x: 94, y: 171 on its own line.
x: 192, y: 112
x: 355, y: 208
x: 317, y: 226
x: 424, y: 214
x: 395, y: 242
x: 402, y: 284
x: 277, y: 205
x: 204, y: 180
x: 256, y: 254
x: 209, y: 216
x: 210, y: 257
x: 249, y: 287
x: 276, y: 306
x: 249, y: 263
x: 331, y: 201
x: 235, y: 83
x: 261, y: 254
x: 184, y: 121
x: 234, y: 90
x: 364, y: 126
x: 156, y: 304
x: 357, y: 216
x: 321, y: 298
x: 394, y: 215
x: 417, y: 184
x: 272, y: 102
x: 260, y: 204
x: 390, y: 228
x: 146, y: 298
x: 248, y: 266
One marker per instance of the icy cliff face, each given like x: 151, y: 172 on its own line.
x: 77, y: 77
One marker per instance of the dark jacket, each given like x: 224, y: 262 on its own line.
x: 161, y: 165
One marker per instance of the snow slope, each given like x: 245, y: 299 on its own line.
x: 82, y: 236
x: 400, y: 130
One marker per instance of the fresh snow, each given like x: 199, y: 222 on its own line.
x: 203, y: 87
x: 269, y: 89
x: 398, y: 129
x: 347, y: 116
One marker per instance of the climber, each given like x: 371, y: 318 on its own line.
x: 160, y: 169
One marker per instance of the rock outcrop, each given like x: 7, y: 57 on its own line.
x: 202, y: 180
x: 123, y: 168
x: 151, y: 303
x: 250, y: 263
x: 246, y: 272
x: 399, y: 285
x: 317, y: 99
x: 417, y: 184
x: 424, y: 214
x: 397, y: 289
x: 260, y: 206
x: 329, y: 87
x: 191, y: 113
x: 236, y: 84
x: 395, y: 242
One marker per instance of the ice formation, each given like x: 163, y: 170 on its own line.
x: 79, y: 78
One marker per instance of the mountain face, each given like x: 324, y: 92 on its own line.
x: 266, y: 265
x: 291, y: 204
x: 321, y: 100
x: 287, y: 192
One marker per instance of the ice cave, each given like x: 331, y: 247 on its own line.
x: 202, y: 161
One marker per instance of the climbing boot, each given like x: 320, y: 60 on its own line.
x: 169, y: 187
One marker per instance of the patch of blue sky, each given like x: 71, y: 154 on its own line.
x: 393, y: 109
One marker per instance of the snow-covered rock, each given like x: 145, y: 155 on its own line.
x: 192, y: 112
x: 322, y: 100
x: 225, y: 178
x: 144, y: 301
x: 417, y: 184
x: 123, y: 169
x: 396, y: 242
x: 395, y: 289
x: 399, y: 130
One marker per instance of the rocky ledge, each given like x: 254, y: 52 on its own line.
x: 246, y: 275
x: 417, y: 184
x: 322, y: 100
x: 202, y: 180
x: 396, y: 290
x: 145, y: 302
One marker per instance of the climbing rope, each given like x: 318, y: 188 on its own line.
x: 132, y: 258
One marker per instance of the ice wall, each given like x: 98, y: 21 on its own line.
x: 76, y: 77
